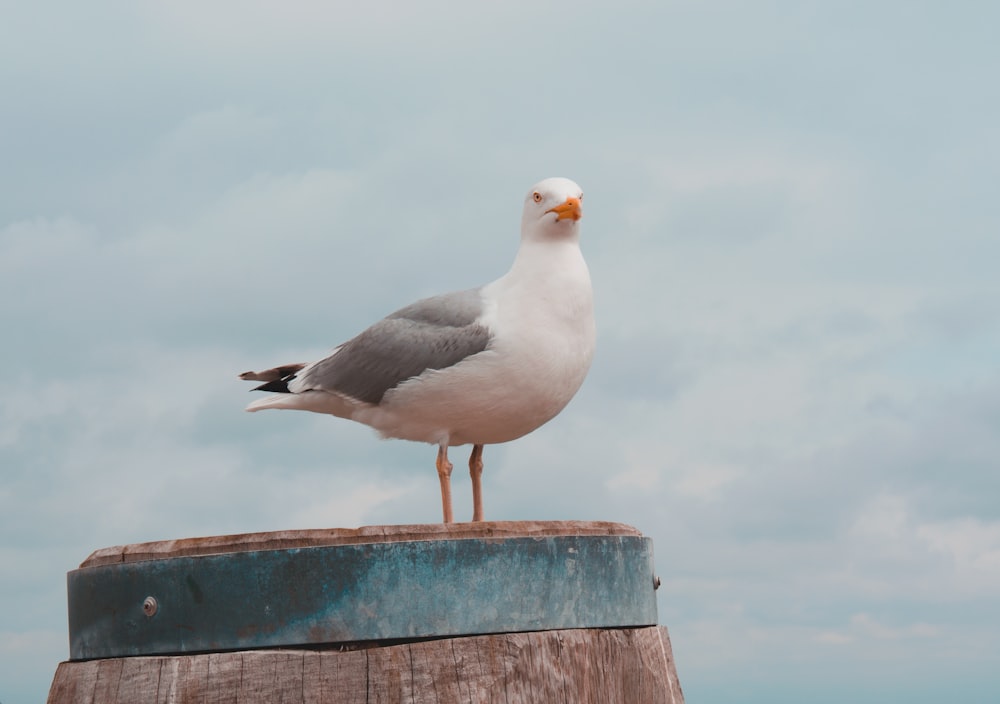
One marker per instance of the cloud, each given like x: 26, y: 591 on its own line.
x: 24, y: 675
x: 792, y: 237
x: 973, y: 546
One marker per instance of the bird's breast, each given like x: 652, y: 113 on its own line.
x: 542, y: 342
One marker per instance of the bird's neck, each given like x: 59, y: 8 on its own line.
x: 548, y: 260
x: 539, y: 248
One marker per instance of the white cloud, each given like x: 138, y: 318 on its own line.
x: 28, y: 660
x: 864, y: 627
x: 300, y: 26
x: 972, y: 546
x: 884, y: 520
x: 639, y: 479
x: 795, y: 392
x: 705, y: 480
x: 866, y: 624
x: 345, y: 507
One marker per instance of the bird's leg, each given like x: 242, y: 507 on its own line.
x: 444, y: 474
x: 476, y: 472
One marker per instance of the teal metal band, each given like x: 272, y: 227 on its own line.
x: 347, y: 593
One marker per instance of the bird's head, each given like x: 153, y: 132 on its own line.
x: 552, y: 210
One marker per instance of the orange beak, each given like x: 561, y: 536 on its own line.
x: 570, y: 210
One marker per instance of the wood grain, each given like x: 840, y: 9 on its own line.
x: 288, y: 539
x: 598, y: 666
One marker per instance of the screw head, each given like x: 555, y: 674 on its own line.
x: 149, y: 606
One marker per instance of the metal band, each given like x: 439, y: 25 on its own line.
x: 348, y: 593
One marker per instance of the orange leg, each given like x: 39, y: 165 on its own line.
x: 444, y: 474
x: 476, y: 472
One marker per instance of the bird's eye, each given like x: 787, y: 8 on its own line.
x: 581, y: 196
x: 537, y: 197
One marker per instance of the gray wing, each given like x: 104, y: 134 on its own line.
x: 434, y: 333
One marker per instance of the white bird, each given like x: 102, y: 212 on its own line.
x: 481, y: 366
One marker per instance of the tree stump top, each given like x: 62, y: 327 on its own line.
x: 325, y: 537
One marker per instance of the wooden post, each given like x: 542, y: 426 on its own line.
x: 485, y: 612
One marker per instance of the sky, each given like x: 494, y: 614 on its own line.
x: 791, y: 224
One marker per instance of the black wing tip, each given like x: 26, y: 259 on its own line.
x: 276, y: 379
x: 278, y: 386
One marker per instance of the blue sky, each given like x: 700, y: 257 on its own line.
x: 793, y: 231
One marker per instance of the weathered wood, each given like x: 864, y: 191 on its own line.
x: 286, y: 540
x: 552, y: 578
x: 599, y: 666
x: 222, y: 684
x: 576, y: 599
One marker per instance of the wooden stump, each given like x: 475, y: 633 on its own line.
x: 488, y: 612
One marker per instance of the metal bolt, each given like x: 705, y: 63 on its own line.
x: 149, y: 606
x: 656, y: 582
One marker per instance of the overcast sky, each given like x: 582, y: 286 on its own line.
x: 793, y: 228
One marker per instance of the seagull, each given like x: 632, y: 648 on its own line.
x: 482, y: 366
